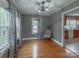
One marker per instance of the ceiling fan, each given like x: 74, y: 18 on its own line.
x: 44, y: 4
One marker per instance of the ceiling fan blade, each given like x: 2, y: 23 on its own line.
x: 38, y: 3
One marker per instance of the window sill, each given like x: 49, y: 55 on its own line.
x: 3, y: 50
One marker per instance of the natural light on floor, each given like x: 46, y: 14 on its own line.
x: 34, y: 51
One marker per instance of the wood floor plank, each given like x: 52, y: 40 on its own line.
x: 43, y: 49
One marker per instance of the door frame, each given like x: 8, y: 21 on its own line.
x: 63, y: 41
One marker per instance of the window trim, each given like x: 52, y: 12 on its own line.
x: 4, y: 49
x: 32, y: 25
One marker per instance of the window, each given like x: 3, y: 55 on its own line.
x: 71, y: 23
x: 34, y: 26
x: 4, y: 23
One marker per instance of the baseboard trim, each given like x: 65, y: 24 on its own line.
x: 58, y: 42
x: 29, y: 38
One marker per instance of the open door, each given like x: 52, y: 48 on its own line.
x: 71, y: 30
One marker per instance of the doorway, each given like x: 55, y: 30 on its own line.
x: 71, y: 30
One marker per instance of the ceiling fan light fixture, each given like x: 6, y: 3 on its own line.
x: 43, y: 6
x: 47, y: 9
x: 46, y: 4
x: 39, y: 11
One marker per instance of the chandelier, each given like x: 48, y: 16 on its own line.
x: 43, y: 6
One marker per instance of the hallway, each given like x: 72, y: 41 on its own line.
x: 43, y: 49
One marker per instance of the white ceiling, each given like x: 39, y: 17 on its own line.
x: 4, y: 3
x: 29, y: 7
x: 73, y: 13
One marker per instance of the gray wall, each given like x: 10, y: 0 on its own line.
x: 46, y: 22
x: 56, y: 26
x: 56, y: 20
x: 26, y: 25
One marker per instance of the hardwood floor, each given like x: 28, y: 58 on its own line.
x: 73, y: 45
x: 45, y: 48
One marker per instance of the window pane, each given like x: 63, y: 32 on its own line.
x: 34, y: 26
x: 3, y: 37
x: 4, y: 22
x: 71, y: 23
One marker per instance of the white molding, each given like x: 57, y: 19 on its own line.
x: 58, y: 42
x: 65, y: 5
x: 63, y: 22
x: 63, y: 29
x: 3, y: 51
x: 29, y: 38
x: 77, y: 14
x: 71, y: 10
